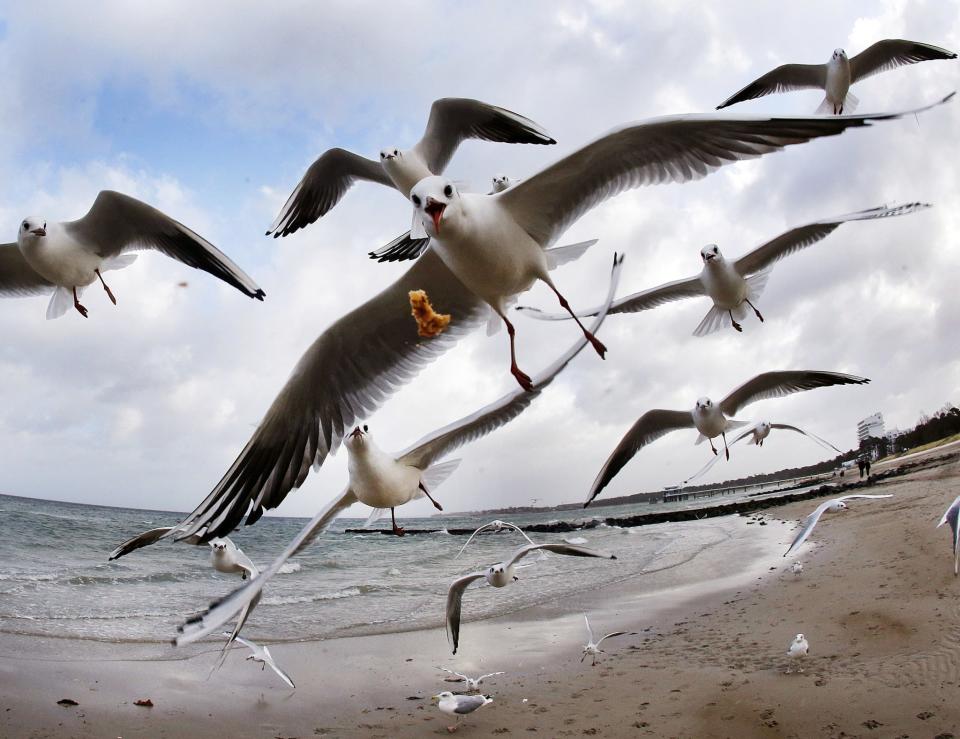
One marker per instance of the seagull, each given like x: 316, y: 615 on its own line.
x: 452, y: 120
x: 382, y: 480
x: 834, y: 506
x: 836, y: 76
x: 950, y: 517
x: 797, y: 568
x: 495, y: 526
x: 64, y: 258
x: 495, y: 243
x: 472, y: 683
x: 711, y: 419
x: 593, y: 647
x: 736, y: 284
x: 757, y: 433
x: 263, y: 656
x: 459, y: 705
x: 502, y: 182
x: 501, y: 575
x: 797, y: 652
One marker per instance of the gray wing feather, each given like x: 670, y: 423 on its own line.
x: 323, y: 185
x: 454, y: 119
x: 891, y: 53
x: 401, y: 249
x: 778, y: 384
x: 610, y: 635
x: 782, y: 79
x: 469, y: 703
x: 951, y: 517
x: 788, y: 427
x: 647, y: 429
x: 454, y: 603
x: 569, y: 550
x: 117, y: 223
x: 18, y: 278
x: 146, y: 539
x: 811, y: 521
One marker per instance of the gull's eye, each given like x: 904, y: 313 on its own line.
x: 365, y: 428
x: 448, y: 191
x: 416, y: 200
x: 25, y: 225
x: 396, y: 153
x: 382, y: 155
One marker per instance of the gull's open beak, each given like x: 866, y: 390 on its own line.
x: 39, y: 232
x: 434, y: 208
x: 708, y: 256
x: 356, y: 433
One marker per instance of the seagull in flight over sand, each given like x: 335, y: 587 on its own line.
x: 950, y: 517
x: 836, y: 76
x: 712, y: 419
x: 734, y: 285
x: 452, y: 120
x: 593, y: 647
x: 383, y: 480
x: 495, y: 243
x: 63, y: 258
x: 263, y: 656
x: 473, y: 683
x: 757, y: 433
x: 833, y: 505
x: 502, y: 574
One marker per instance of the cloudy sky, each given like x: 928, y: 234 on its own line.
x: 212, y: 111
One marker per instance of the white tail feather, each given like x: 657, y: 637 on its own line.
x: 757, y: 283
x: 560, y: 255
x: 435, y: 475
x: 60, y: 302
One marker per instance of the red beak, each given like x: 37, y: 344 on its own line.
x: 434, y: 209
x: 39, y: 232
x: 356, y: 432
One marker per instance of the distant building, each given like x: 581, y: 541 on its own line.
x: 892, y: 435
x: 870, y: 426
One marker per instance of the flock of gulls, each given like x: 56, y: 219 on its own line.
x: 474, y: 254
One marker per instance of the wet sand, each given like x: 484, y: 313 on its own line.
x: 877, y: 601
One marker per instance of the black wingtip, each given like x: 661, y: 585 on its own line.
x: 613, y: 556
x: 259, y: 295
x: 267, y: 233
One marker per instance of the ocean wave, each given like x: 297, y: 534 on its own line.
x: 121, y: 579
x: 349, y: 592
x: 288, y: 568
x: 28, y: 578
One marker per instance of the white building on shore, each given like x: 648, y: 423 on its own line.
x: 870, y: 426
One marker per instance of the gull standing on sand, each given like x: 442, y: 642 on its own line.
x: 500, y: 575
x: 263, y: 656
x: 473, y: 683
x: 459, y: 705
x: 495, y: 243
x: 710, y: 419
x: 950, y: 517
x: 735, y: 285
x: 797, y: 568
x: 66, y: 257
x: 834, y: 505
x: 836, y: 76
x: 593, y: 647
x: 452, y: 120
x: 797, y: 652
x: 383, y: 480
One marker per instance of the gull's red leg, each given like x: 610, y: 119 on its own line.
x: 109, y: 291
x: 597, y: 344
x: 521, y: 376
x: 427, y: 493
x: 396, y: 529
x: 76, y: 304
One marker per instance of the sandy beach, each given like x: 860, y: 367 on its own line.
x: 876, y: 601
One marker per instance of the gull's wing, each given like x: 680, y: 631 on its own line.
x: 401, y: 249
x: 325, y: 182
x: 891, y: 53
x: 648, y: 428
x: 147, y: 538
x: 778, y: 384
x: 17, y: 277
x: 803, y: 236
x: 489, y: 674
x: 348, y: 372
x: 469, y: 703
x: 246, y: 563
x: 716, y: 458
x: 784, y: 78
x: 273, y: 666
x: 811, y: 521
x: 645, y: 300
x: 223, y: 609
x: 454, y: 119
x: 463, y: 678
x: 570, y: 550
x: 502, y: 411
x: 490, y: 525
x: 951, y: 517
x: 454, y: 600
x: 246, y: 642
x: 589, y: 630
x: 788, y: 427
x: 671, y: 149
x: 117, y: 223
x: 612, y: 633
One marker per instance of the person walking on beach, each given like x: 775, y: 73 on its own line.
x: 866, y: 465
x: 861, y: 464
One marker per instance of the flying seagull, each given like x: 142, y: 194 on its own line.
x: 263, y: 656
x: 452, y: 120
x: 950, y: 517
x: 63, y: 258
x: 473, y: 683
x: 500, y: 575
x: 757, y: 433
x: 459, y: 705
x: 495, y: 243
x: 836, y: 76
x: 833, y: 505
x: 710, y: 419
x: 736, y: 284
x: 495, y: 525
x: 593, y: 647
x: 383, y: 480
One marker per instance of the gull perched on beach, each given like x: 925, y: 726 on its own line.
x: 459, y: 705
x: 836, y: 76
x: 263, y: 656
x: 757, y: 434
x: 713, y: 419
x: 797, y: 652
x: 383, y: 480
x: 950, y: 517
x: 452, y: 120
x: 473, y: 683
x: 64, y: 258
x: 500, y: 575
x: 736, y: 284
x: 834, y: 505
x: 495, y: 243
x: 593, y: 647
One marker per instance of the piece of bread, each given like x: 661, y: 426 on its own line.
x: 429, y: 322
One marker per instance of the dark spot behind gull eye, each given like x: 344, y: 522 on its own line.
x: 416, y: 200
x: 448, y: 191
